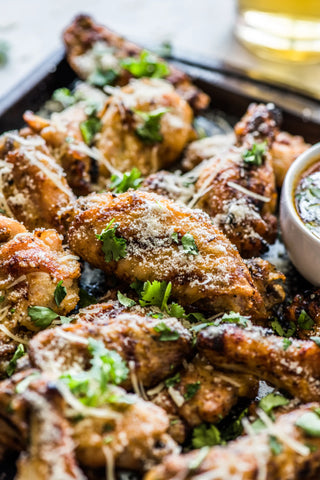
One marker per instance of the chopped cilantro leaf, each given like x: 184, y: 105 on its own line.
x: 201, y: 326
x: 146, y: 65
x: 89, y: 128
x: 92, y: 386
x: 149, y: 130
x: 100, y: 78
x: 172, y: 381
x: 205, y: 436
x: 271, y: 401
x: 85, y: 299
x: 176, y: 310
x: 286, y: 343
x: 125, y: 301
x: 191, y: 390
x: 42, y: 317
x: 60, y: 293
x: 137, y: 285
x: 20, y: 351
x: 113, y: 247
x: 122, y: 183
x: 316, y: 340
x: 310, y: 423
x: 189, y: 245
x: 196, y: 317
x: 254, y: 156
x: 234, y: 428
x: 305, y: 322
x: 233, y: 317
x: 64, y: 97
x: 281, y: 330
x: 166, y: 334
x: 175, y: 237
x: 275, y: 447
x: 155, y: 293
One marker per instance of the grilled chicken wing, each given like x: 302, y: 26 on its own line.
x: 215, y: 393
x: 122, y: 141
x: 91, y: 47
x: 294, y: 368
x: 206, y: 148
x: 129, y: 434
x: 241, y: 196
x: 31, y: 266
x: 34, y: 187
x: 135, y: 338
x: 213, y: 277
x: 251, y: 457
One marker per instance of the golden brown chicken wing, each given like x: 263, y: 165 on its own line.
x: 91, y: 47
x: 34, y: 187
x: 199, y: 393
x: 127, y: 138
x: 136, y: 338
x: 292, y: 366
x: 151, y: 233
x: 253, y: 456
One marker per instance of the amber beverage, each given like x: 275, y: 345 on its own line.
x: 285, y: 29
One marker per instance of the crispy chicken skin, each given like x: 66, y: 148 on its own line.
x: 250, y: 457
x: 81, y: 36
x: 206, y: 148
x: 247, y: 220
x: 133, y: 337
x: 218, y: 392
x: 294, y: 369
x: 118, y: 140
x: 216, y: 279
x: 31, y: 265
x: 136, y: 431
x: 34, y: 186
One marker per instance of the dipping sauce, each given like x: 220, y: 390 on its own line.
x: 307, y: 198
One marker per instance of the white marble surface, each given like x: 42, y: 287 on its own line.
x: 198, y: 27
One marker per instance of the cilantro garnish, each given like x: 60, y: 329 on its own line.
x: 310, y: 423
x: 92, y: 387
x: 233, y: 317
x: 254, y: 156
x: 286, y: 343
x: 191, y: 390
x: 149, y: 131
x: 60, y: 293
x: 125, y: 301
x: 42, y: 317
x: 89, y: 128
x: 146, y: 65
x: 166, y: 333
x: 189, y: 245
x: 176, y: 310
x: 85, y: 299
x: 100, y: 78
x: 20, y: 351
x: 281, y: 330
x: 122, y: 183
x: 172, y: 381
x: 64, y: 97
x: 305, y: 322
x: 175, y: 237
x: 113, y: 247
x: 271, y: 401
x: 156, y: 293
x: 205, y: 436
x: 275, y: 447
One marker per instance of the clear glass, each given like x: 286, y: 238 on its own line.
x: 284, y: 29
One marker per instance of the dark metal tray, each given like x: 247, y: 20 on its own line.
x: 230, y: 93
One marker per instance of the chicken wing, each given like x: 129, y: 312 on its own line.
x: 213, y: 277
x: 239, y: 195
x: 91, y: 47
x: 34, y: 187
x: 31, y: 266
x: 213, y: 393
x: 252, y: 457
x: 137, y: 339
x: 293, y: 367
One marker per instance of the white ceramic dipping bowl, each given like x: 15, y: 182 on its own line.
x: 302, y: 245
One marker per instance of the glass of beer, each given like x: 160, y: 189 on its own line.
x: 284, y: 29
